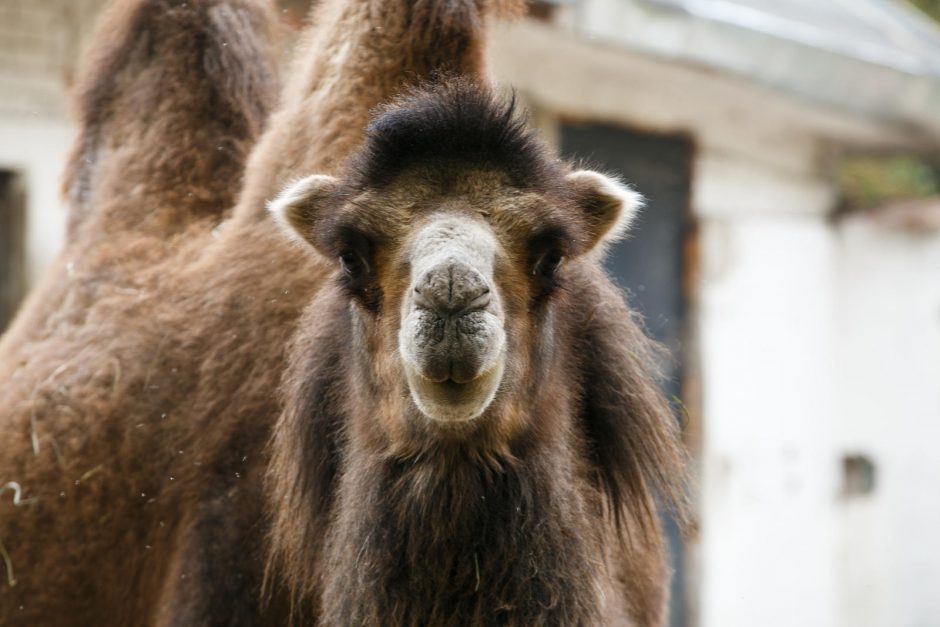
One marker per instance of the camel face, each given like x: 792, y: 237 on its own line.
x: 451, y: 275
x: 449, y: 231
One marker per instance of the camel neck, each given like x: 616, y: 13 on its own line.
x: 447, y: 540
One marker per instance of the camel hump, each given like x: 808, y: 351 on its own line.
x: 357, y: 55
x: 172, y: 98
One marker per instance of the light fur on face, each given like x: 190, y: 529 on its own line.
x: 472, y: 340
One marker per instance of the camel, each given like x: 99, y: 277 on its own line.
x: 446, y: 455
x: 140, y: 380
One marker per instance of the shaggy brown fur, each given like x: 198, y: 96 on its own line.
x: 138, y: 383
x: 540, y: 512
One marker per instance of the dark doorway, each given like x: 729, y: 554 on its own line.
x: 12, y: 237
x: 649, y: 264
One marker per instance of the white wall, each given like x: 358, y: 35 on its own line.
x: 765, y: 335
x: 36, y: 150
x: 817, y: 340
x: 40, y: 44
x: 889, y: 383
x: 40, y: 48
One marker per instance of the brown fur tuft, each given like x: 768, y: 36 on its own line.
x: 630, y: 427
x: 451, y: 121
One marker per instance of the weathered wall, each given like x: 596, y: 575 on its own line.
x: 765, y: 331
x: 40, y: 45
x: 819, y: 345
x: 888, y: 378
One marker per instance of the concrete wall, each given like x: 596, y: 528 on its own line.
x: 819, y: 344
x: 888, y: 379
x: 40, y: 45
x: 765, y: 334
x: 36, y: 151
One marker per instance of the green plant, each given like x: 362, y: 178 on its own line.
x: 870, y: 181
x: 930, y: 7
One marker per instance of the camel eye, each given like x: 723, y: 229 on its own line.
x: 354, y: 266
x: 550, y: 263
x: 546, y: 268
x: 546, y: 254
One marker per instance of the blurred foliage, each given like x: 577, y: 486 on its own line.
x: 930, y: 7
x: 868, y: 182
x: 871, y: 181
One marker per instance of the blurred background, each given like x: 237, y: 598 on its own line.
x: 789, y: 256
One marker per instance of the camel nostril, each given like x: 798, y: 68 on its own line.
x: 452, y: 289
x: 480, y: 302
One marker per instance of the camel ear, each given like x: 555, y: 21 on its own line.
x: 298, y: 209
x: 609, y: 206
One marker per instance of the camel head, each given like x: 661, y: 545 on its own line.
x: 450, y: 230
